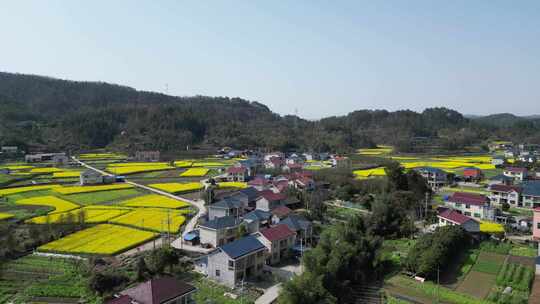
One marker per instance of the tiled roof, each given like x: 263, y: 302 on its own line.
x: 258, y: 214
x: 296, y: 222
x: 271, y: 196
x: 454, y: 216
x: 431, y: 170
x: 258, y: 181
x: 277, y: 233
x: 516, y: 169
x: 468, y: 172
x: 281, y: 211
x: 250, y: 192
x: 468, y: 198
x: 227, y: 203
x: 236, y: 170
x: 157, y: 291
x: 222, y: 222
x: 504, y: 188
x: 242, y: 247
x: 531, y: 188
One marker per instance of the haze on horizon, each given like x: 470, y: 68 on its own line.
x: 322, y: 58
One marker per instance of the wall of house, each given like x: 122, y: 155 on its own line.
x: 263, y: 204
x: 536, y: 226
x: 220, y: 261
x: 216, y: 212
x: 208, y: 236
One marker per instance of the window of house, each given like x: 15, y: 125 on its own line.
x: 458, y: 205
x: 260, y: 254
x: 538, y: 225
x: 467, y: 213
x: 218, y: 273
x: 231, y: 264
x: 468, y: 206
x: 477, y: 215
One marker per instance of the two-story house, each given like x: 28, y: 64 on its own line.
x: 473, y: 174
x: 219, y: 231
x: 229, y: 206
x: 90, y: 177
x: 300, y: 225
x: 257, y: 220
x: 436, y: 178
x: 502, y: 193
x: 519, y: 174
x: 234, y: 262
x: 237, y: 174
x: 530, y: 195
x: 471, y: 204
x: 279, y: 240
x: 269, y: 200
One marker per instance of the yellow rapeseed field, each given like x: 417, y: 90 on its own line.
x: 91, y: 156
x: 85, y: 189
x: 160, y: 220
x: 9, y: 191
x: 58, y: 204
x: 380, y: 150
x: 155, y: 200
x: 90, y: 214
x: 5, y: 216
x: 183, y: 163
x: 195, y: 172
x: 123, y: 170
x: 16, y: 167
x: 45, y: 170
x: 65, y: 174
x: 240, y: 185
x: 208, y: 164
x: 104, y: 239
x: 138, y: 164
x: 491, y: 227
x: 178, y: 187
x: 370, y: 172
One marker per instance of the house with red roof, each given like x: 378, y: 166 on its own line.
x: 454, y: 218
x: 472, y: 174
x: 471, y: 204
x: 501, y: 194
x: 280, y: 213
x: 237, y: 174
x: 274, y: 162
x: 303, y: 183
x: 259, y: 183
x: 516, y: 173
x: 279, y: 240
x: 165, y: 290
x: 268, y: 200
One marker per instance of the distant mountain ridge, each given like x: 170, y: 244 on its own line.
x: 48, y: 114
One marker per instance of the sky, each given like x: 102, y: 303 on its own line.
x: 318, y: 58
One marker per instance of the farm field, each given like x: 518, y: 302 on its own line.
x: 45, y: 170
x: 240, y: 185
x: 103, y: 197
x: 103, y: 239
x: 177, y: 187
x: 195, y: 172
x: 15, y: 190
x: 127, y: 168
x: 90, y: 214
x: 85, y: 189
x: 156, y: 201
x: 99, y: 156
x: 158, y: 220
x: 482, y: 275
x: 66, y: 174
x: 5, y: 216
x: 32, y: 276
x: 58, y: 204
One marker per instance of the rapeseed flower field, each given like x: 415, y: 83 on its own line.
x: 178, y: 187
x: 5, y: 216
x: 90, y: 214
x: 85, y: 189
x: 160, y: 220
x: 137, y: 168
x: 156, y: 201
x: 103, y: 239
x: 45, y: 170
x: 15, y: 190
x: 58, y: 204
x: 240, y: 185
x: 195, y: 172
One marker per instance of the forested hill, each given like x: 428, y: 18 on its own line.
x: 50, y: 114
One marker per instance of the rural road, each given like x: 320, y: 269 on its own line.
x: 199, y: 204
x: 270, y: 295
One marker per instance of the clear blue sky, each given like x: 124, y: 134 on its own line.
x: 321, y: 57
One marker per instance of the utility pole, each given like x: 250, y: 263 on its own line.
x: 438, y: 293
x: 425, y: 209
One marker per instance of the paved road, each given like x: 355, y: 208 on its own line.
x: 270, y: 295
x: 178, y: 243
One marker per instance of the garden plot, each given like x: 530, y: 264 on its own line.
x: 156, y: 201
x: 481, y: 278
x: 104, y: 239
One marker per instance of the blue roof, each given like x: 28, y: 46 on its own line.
x: 222, y: 222
x: 531, y: 188
x: 242, y: 247
x: 190, y: 236
x: 501, y: 177
x: 431, y: 170
x: 251, y: 193
x: 296, y: 222
x: 227, y: 203
x: 258, y: 214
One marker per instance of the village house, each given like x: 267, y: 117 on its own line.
x: 219, y: 231
x: 289, y: 168
x: 269, y: 200
x: 147, y: 156
x: 472, y: 174
x: 279, y: 240
x: 530, y: 194
x: 274, y: 163
x: 341, y: 162
x: 519, y: 174
x: 498, y: 161
x: 257, y: 219
x: 528, y: 158
x: 237, y: 174
x: 9, y: 149
x: 471, y: 204
x: 536, y: 224
x: 41, y: 157
x: 280, y: 213
x: 228, y: 206
x: 501, y: 194
x: 164, y: 290
x: 301, y: 226
x: 60, y: 160
x: 500, y: 179
x: 303, y: 183
x: 436, y: 178
x: 234, y: 262
x: 259, y: 182
x: 454, y: 218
